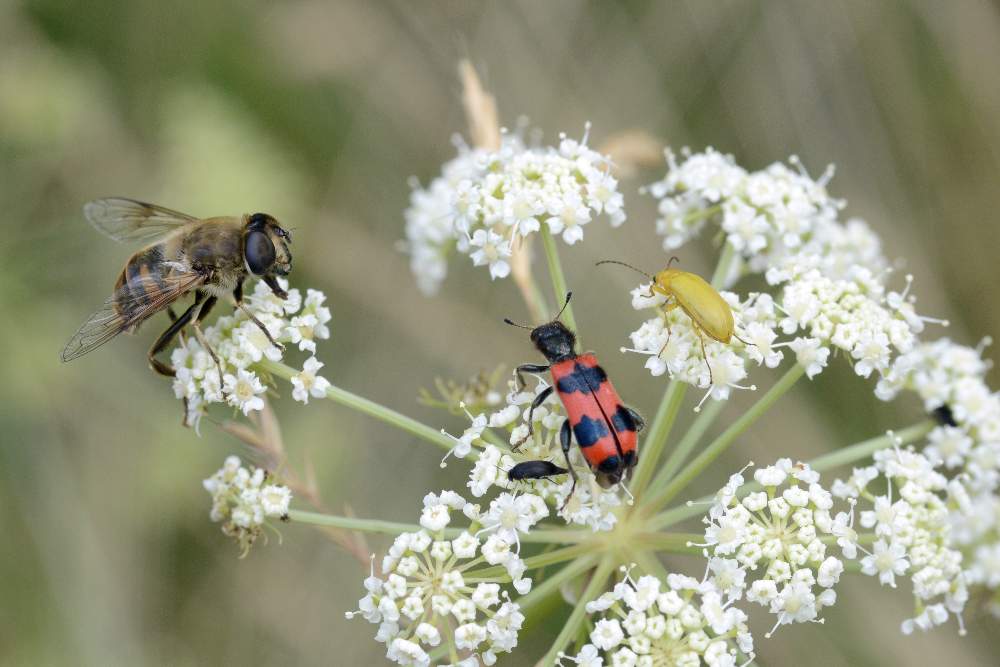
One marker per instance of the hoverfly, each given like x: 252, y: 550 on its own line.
x: 210, y: 257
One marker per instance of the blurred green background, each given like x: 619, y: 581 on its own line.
x: 318, y: 113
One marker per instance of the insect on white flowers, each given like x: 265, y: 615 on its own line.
x: 243, y: 352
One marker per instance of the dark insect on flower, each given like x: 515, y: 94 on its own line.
x: 605, y: 429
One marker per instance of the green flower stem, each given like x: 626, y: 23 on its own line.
x: 558, y: 278
x: 691, y: 438
x: 536, y: 300
x: 866, y: 448
x: 659, y: 432
x: 575, y: 620
x: 840, y: 457
x: 650, y: 564
x: 363, y: 525
x: 551, y: 584
x: 721, y: 443
x: 675, y: 543
x: 556, y: 535
x: 724, y: 265
x: 370, y: 408
x: 539, y: 561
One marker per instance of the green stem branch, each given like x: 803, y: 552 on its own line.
x: 592, y: 590
x: 367, y: 407
x: 558, y: 278
x: 659, y: 432
x: 721, y: 443
x: 552, y: 583
x: 543, y: 536
x: 691, y: 438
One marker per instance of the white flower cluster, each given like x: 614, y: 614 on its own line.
x: 851, y: 315
x: 423, y: 598
x: 950, y: 380
x: 244, y: 500
x: 589, y: 505
x: 685, y: 623
x: 674, y: 346
x: 913, y: 532
x: 485, y: 201
x: 240, y: 345
x: 779, y: 534
x: 779, y: 219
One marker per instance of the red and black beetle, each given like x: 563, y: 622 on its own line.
x: 605, y: 428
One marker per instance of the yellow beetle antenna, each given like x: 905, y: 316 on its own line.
x: 615, y: 261
x: 672, y: 260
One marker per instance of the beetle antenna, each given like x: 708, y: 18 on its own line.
x: 568, y: 296
x: 673, y: 259
x: 615, y: 261
x: 511, y: 322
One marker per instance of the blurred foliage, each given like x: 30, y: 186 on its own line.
x: 319, y: 113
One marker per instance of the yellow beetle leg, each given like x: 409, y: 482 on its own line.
x: 701, y: 337
x: 664, y: 309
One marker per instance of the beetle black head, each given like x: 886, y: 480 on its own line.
x: 553, y: 339
x: 265, y: 247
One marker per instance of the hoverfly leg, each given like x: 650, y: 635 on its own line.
x: 204, y: 343
x: 238, y: 300
x: 167, y: 336
x: 173, y: 318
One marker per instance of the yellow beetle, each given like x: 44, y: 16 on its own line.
x: 710, y: 314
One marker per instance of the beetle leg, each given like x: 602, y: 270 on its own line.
x: 531, y: 416
x: 701, y: 337
x: 565, y: 440
x: 666, y: 308
x: 527, y: 368
x: 640, y: 423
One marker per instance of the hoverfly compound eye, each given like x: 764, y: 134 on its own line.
x: 259, y: 252
x: 258, y: 221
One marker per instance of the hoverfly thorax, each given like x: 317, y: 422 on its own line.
x: 265, y: 246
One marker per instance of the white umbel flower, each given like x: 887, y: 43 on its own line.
x: 914, y: 529
x: 484, y: 203
x: 772, y: 541
x: 243, y: 499
x: 242, y: 348
x: 649, y: 622
x: 423, y: 600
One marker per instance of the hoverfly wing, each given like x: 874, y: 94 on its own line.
x: 129, y: 306
x: 129, y: 220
